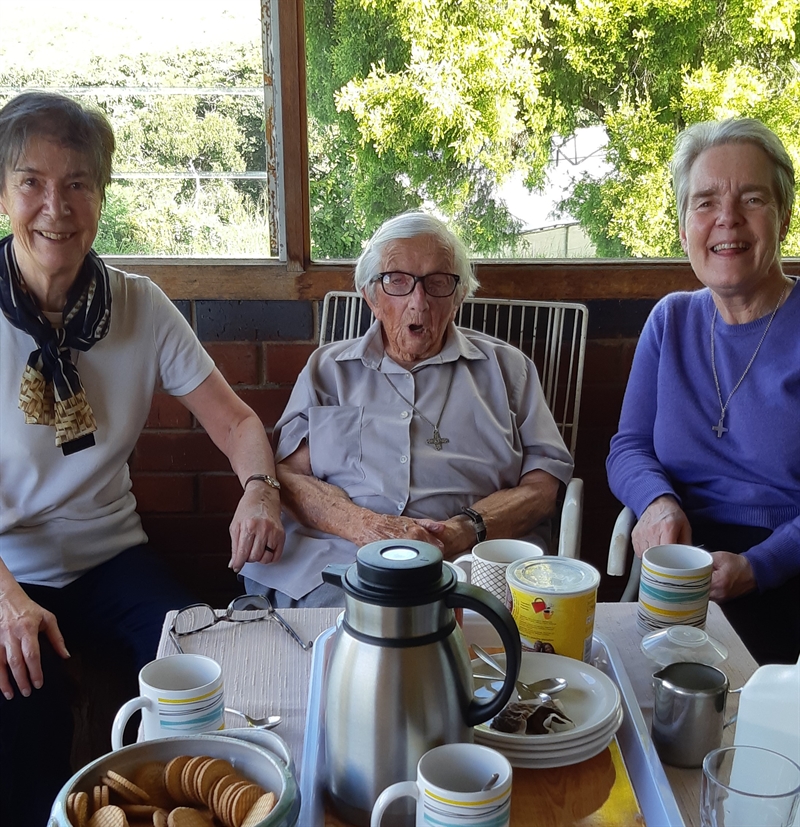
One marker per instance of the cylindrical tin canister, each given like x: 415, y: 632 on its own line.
x: 553, y: 602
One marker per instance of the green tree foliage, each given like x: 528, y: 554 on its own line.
x: 438, y: 101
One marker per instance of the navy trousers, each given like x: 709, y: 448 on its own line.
x: 118, y: 606
x: 768, y: 622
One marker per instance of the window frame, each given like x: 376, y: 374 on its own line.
x: 298, y: 277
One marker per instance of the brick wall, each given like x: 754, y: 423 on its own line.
x: 187, y: 493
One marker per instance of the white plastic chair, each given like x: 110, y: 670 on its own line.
x: 620, y: 550
x: 552, y: 334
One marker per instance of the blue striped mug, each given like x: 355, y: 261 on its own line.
x: 178, y: 695
x: 674, y: 587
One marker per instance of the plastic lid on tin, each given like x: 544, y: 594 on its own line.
x: 557, y: 575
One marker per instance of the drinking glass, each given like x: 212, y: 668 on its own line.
x: 745, y: 786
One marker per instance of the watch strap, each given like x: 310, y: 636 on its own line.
x: 270, y: 481
x: 477, y: 523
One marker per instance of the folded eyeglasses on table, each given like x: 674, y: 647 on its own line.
x: 247, y: 608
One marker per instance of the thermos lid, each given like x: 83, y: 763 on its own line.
x: 398, y: 572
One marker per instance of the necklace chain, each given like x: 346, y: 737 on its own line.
x: 719, y: 427
x: 436, y: 440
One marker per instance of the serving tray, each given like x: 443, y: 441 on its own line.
x: 626, y: 782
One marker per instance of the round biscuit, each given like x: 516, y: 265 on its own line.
x: 187, y: 817
x: 109, y: 816
x: 260, y: 810
x: 207, y: 776
x: 226, y: 800
x: 160, y: 818
x: 172, y: 777
x: 150, y: 777
x: 244, y: 799
x: 188, y: 775
x: 217, y: 789
x: 80, y: 809
x: 125, y: 788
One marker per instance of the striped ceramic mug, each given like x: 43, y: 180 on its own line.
x: 178, y: 695
x: 674, y: 587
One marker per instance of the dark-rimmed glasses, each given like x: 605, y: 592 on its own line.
x: 438, y: 285
x: 246, y: 608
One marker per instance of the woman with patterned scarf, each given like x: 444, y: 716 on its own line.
x: 82, y: 349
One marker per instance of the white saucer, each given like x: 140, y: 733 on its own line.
x: 539, y: 753
x: 565, y: 761
x: 591, y: 698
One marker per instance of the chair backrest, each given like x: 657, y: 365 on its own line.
x: 552, y: 334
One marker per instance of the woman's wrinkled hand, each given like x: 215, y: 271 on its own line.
x: 388, y: 527
x: 661, y: 523
x: 21, y: 621
x: 732, y: 576
x: 256, y: 531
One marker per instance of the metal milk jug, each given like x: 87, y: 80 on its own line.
x: 398, y: 678
x: 688, y: 712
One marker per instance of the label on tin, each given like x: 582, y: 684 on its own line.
x: 560, y: 624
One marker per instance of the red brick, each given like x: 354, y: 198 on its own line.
x: 283, y: 363
x: 237, y: 361
x: 162, y: 493
x: 219, y: 493
x: 173, y: 451
x: 268, y: 403
x: 168, y: 412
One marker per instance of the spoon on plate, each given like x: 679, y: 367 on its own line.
x: 270, y: 722
x: 542, y: 689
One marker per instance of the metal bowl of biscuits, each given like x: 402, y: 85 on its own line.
x: 206, y: 780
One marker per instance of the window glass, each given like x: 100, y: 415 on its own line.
x: 182, y: 84
x: 536, y: 128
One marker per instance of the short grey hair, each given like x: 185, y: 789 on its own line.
x: 699, y: 137
x: 52, y: 115
x: 410, y: 225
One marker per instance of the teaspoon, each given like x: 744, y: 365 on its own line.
x: 270, y: 722
x: 545, y: 686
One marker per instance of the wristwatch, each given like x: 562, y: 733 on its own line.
x: 270, y: 481
x: 477, y: 523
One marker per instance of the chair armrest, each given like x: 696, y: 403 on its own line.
x: 569, y: 538
x: 620, y: 543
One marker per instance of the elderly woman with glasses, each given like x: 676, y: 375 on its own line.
x: 418, y: 429
x: 83, y: 348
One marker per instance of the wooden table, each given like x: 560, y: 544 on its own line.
x: 267, y: 672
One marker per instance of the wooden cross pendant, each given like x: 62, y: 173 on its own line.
x: 719, y: 427
x: 438, y: 441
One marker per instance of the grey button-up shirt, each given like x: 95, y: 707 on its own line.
x: 366, y: 439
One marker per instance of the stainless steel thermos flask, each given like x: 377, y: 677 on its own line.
x: 398, y: 679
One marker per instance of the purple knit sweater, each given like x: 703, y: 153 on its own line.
x: 666, y: 445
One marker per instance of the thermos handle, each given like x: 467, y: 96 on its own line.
x: 471, y: 597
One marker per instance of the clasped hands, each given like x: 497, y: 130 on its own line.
x: 451, y: 536
x: 664, y: 522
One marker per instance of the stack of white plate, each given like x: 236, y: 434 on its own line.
x: 591, y: 700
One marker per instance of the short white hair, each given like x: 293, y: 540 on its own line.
x: 410, y: 225
x: 697, y: 138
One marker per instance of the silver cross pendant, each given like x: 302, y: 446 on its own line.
x: 436, y: 440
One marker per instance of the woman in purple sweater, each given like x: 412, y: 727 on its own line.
x: 708, y: 448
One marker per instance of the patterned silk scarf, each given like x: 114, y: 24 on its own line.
x: 51, y: 392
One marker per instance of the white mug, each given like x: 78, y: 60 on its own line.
x: 486, y: 564
x: 448, y: 789
x: 178, y: 695
x: 674, y: 587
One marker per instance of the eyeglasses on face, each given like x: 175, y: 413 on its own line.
x: 398, y: 283
x: 246, y: 608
